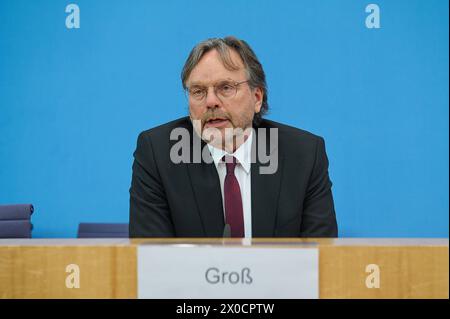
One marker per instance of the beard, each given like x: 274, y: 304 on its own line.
x: 227, y: 138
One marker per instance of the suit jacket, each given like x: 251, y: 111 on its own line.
x: 184, y: 200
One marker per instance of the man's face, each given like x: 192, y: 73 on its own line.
x: 215, y: 111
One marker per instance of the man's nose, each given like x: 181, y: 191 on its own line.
x: 212, y: 100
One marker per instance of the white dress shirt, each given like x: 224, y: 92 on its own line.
x: 243, y: 176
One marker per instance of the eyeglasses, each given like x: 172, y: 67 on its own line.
x: 224, y: 90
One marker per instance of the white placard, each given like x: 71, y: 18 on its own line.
x: 207, y: 272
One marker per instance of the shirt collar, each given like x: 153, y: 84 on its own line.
x: 242, y: 154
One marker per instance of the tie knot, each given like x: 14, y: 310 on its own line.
x: 230, y: 162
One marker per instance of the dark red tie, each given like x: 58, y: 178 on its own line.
x: 234, y: 213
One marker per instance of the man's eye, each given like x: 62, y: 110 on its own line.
x: 196, y: 92
x: 226, y: 88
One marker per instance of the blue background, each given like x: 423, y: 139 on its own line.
x: 72, y: 101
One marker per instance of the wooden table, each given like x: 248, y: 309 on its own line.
x: 408, y: 268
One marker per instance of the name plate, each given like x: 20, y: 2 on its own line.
x: 208, y: 272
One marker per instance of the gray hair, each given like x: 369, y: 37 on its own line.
x: 254, y: 69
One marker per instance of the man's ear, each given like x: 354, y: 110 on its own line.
x: 259, y: 95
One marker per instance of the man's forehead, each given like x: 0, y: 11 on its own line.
x: 212, y: 68
x: 196, y: 82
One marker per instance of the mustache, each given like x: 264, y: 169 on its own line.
x: 215, y: 114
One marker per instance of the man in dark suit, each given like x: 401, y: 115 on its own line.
x: 255, y: 177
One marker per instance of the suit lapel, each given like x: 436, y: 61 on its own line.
x: 206, y: 188
x: 265, y: 191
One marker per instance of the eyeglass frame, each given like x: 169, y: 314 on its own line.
x: 234, y: 84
